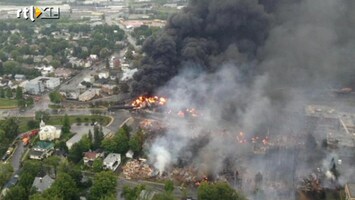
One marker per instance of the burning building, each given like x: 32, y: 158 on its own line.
x: 270, y: 59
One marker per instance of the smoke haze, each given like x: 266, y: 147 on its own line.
x: 242, y: 64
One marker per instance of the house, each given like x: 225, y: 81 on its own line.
x: 108, y: 89
x: 104, y: 75
x: 42, y: 150
x: 48, y: 132
x: 89, y: 79
x: 19, y: 77
x: 90, y: 157
x: 350, y: 191
x: 42, y: 183
x: 112, y: 161
x: 94, y: 57
x: 46, y: 70
x: 89, y: 94
x: 63, y: 73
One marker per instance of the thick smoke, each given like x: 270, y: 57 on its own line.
x: 206, y: 33
x: 250, y: 66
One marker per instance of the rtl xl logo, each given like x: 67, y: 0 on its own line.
x: 34, y: 13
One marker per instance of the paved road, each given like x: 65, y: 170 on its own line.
x: 112, y: 20
x: 119, y: 117
x: 17, y: 155
x: 157, y: 187
x: 72, y: 84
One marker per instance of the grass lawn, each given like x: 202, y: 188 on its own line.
x: 7, y: 103
x: 58, y: 120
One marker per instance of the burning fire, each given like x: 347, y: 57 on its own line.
x: 204, y: 180
x: 240, y: 138
x: 188, y: 112
x: 143, y: 102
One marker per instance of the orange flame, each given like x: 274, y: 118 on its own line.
x: 143, y: 102
x: 189, y: 111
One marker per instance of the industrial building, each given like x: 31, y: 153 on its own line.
x: 41, y: 84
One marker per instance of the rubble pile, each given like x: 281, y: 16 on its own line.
x: 184, y: 175
x: 136, y: 169
x: 151, y: 125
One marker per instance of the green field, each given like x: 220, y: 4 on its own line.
x: 58, y: 120
x: 7, y: 103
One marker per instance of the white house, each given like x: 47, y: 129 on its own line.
x: 47, y: 70
x: 112, y: 161
x: 104, y: 74
x: 48, y: 132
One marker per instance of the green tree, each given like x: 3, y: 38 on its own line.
x: 119, y: 143
x: 64, y: 187
x: 55, y: 97
x: 220, y: 190
x: 10, y: 127
x: 52, y: 162
x: 90, y: 136
x: 129, y: 54
x: 32, y: 124
x: 16, y: 193
x: 97, y: 165
x: 98, y: 137
x: 55, y: 63
x: 104, y: 185
x: 6, y: 171
x: 104, y: 53
x: 3, y: 56
x: 169, y: 186
x: 42, y: 115
x: 73, y: 170
x: 77, y: 150
x: 2, y: 93
x: 66, y: 124
x: 19, y: 93
x: 9, y: 93
x: 132, y: 193
x: 136, y: 142
x: 107, y: 63
x: 78, y: 121
x: 44, y: 196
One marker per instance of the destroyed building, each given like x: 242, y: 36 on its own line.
x: 337, y: 128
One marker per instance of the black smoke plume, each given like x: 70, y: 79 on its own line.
x: 206, y: 33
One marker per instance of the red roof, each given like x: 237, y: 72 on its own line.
x: 91, y: 155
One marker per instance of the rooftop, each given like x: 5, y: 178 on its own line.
x: 112, y: 157
x: 90, y: 155
x: 44, y: 145
x: 42, y: 183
